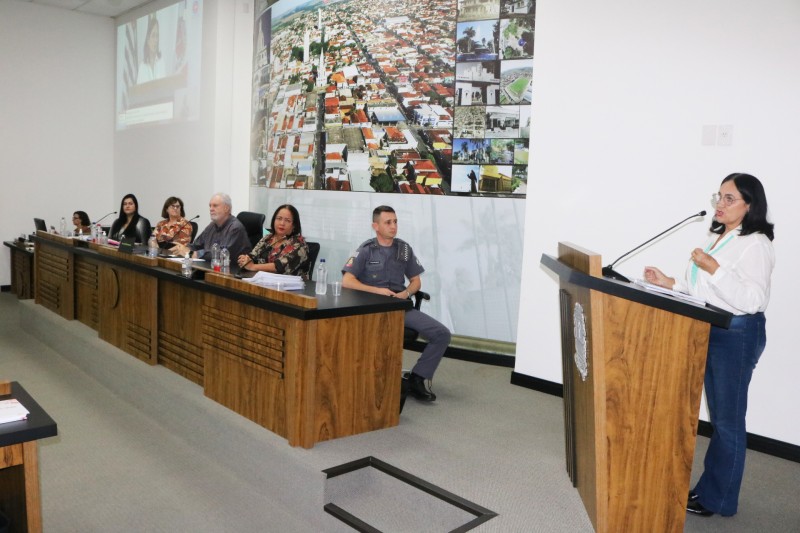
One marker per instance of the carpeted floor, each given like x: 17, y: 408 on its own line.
x: 141, y: 449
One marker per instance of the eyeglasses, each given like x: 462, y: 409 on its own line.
x: 281, y: 219
x: 727, y: 200
x: 175, y: 206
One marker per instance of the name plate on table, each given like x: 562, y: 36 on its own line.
x: 126, y: 245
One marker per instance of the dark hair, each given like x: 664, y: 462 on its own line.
x: 123, y: 217
x: 84, y: 218
x: 376, y: 213
x: 171, y: 200
x: 152, y: 23
x: 755, y: 220
x: 296, y: 227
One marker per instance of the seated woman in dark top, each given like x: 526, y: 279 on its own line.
x: 174, y: 229
x: 83, y: 226
x: 130, y: 223
x: 284, y: 250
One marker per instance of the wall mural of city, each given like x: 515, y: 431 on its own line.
x: 405, y: 96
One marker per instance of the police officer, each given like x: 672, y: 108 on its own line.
x: 381, y: 266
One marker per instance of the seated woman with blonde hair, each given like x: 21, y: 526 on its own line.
x: 284, y: 250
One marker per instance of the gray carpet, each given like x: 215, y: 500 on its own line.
x: 141, y: 449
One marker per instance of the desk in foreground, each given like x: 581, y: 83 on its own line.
x: 20, y: 498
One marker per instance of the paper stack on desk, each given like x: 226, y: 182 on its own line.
x: 12, y: 411
x: 277, y: 281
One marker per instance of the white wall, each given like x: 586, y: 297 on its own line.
x: 623, y: 89
x: 56, y: 108
x: 193, y: 160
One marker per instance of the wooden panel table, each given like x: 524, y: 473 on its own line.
x: 54, y: 279
x: 307, y: 367
x: 20, y: 498
x: 22, y: 277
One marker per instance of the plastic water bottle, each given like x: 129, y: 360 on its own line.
x: 63, y: 226
x: 152, y: 246
x: 322, y: 278
x: 226, y: 260
x: 215, y: 264
x: 98, y: 231
x: 103, y: 237
x: 186, y: 266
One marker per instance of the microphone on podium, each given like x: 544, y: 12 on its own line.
x: 105, y: 217
x: 609, y: 272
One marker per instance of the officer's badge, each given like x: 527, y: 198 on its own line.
x: 349, y: 262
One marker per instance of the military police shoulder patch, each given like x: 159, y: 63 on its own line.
x: 349, y: 262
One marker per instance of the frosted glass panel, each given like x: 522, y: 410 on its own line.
x: 470, y: 248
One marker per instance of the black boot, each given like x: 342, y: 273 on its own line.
x: 404, y: 386
x: 418, y: 389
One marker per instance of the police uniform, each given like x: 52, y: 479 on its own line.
x: 388, y: 267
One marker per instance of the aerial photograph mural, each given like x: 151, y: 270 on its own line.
x: 405, y: 96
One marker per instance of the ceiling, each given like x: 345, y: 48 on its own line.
x: 105, y: 8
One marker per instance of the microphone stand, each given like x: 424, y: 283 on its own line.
x: 104, y: 217
x: 609, y: 272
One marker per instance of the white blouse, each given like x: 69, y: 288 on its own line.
x: 741, y: 284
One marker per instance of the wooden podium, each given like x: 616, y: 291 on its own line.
x: 633, y: 365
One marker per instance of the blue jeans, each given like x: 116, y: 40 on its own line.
x: 732, y: 356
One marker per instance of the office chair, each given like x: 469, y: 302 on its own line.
x: 194, y: 230
x: 410, y: 337
x: 313, y: 252
x: 253, y: 224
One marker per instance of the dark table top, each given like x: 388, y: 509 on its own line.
x: 39, y: 425
x: 24, y: 247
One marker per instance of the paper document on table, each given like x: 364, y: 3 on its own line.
x: 12, y: 411
x: 280, y: 281
x: 670, y: 292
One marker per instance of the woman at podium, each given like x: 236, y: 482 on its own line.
x: 731, y: 271
x: 284, y: 250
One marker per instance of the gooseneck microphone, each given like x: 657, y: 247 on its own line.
x: 181, y: 227
x: 105, y: 217
x: 609, y: 272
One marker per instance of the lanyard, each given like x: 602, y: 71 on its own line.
x: 693, y: 274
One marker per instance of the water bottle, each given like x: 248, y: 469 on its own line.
x: 63, y: 226
x: 226, y: 260
x: 215, y: 265
x: 103, y: 237
x: 322, y: 278
x: 152, y: 246
x: 98, y: 231
x: 186, y: 266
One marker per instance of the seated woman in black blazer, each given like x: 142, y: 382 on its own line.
x: 130, y: 223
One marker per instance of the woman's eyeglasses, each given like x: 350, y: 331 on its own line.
x: 727, y: 200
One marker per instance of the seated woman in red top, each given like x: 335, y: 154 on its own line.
x: 174, y: 229
x: 284, y: 250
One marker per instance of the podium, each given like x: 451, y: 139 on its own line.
x: 633, y: 366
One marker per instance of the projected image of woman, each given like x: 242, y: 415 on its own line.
x: 151, y: 66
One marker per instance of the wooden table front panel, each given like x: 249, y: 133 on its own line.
x: 308, y: 381
x: 54, y: 287
x: 87, y: 291
x: 22, y: 274
x: 128, y: 311
x: 180, y: 330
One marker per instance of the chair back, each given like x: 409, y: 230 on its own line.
x: 194, y: 230
x: 313, y: 252
x: 253, y: 224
